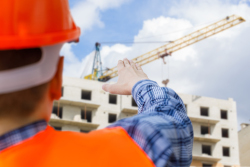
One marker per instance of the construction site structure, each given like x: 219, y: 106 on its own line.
x: 165, y: 82
x: 244, y: 144
x: 173, y: 46
x: 84, y: 107
x: 97, y: 63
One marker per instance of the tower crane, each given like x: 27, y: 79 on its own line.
x: 173, y: 46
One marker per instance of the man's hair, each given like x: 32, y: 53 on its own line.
x: 20, y: 103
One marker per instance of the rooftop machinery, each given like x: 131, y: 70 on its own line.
x: 165, y: 50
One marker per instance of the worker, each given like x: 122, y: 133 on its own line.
x: 32, y: 33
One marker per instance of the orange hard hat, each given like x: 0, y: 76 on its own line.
x: 35, y: 23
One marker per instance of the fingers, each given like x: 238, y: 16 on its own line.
x: 105, y: 87
x: 133, y: 65
x: 126, y: 62
x: 138, y: 66
x: 111, y: 88
x: 120, y: 65
x: 115, y: 89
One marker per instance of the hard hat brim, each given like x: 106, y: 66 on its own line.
x: 32, y: 41
x: 31, y: 75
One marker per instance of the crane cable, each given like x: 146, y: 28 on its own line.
x: 142, y: 42
x: 125, y: 42
x: 167, y: 76
x: 168, y: 67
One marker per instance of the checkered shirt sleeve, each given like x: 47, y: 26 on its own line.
x: 161, y: 127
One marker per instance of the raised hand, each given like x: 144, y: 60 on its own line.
x: 129, y: 74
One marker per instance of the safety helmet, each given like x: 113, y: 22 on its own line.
x: 45, y: 24
x: 35, y: 23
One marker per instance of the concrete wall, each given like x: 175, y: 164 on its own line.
x: 72, y: 88
x: 215, y: 106
x: 244, y: 145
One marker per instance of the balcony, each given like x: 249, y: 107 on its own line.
x: 206, y: 138
x: 131, y: 110
x: 79, y: 103
x: 201, y: 119
x: 205, y: 157
x: 78, y: 122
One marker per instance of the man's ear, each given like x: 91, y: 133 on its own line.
x: 56, y: 82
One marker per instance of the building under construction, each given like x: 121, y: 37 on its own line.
x: 84, y: 107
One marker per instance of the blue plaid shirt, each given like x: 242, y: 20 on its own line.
x: 18, y: 135
x: 161, y: 127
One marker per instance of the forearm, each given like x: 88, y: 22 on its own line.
x: 162, y: 128
x: 150, y: 97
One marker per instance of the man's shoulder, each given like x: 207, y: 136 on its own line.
x: 103, y: 133
x: 104, y: 136
x: 63, y: 148
x: 64, y: 143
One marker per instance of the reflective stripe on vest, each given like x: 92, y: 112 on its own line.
x: 111, y: 147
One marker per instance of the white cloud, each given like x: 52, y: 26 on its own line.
x: 106, y: 4
x: 86, y: 14
x: 223, y: 58
x: 71, y: 63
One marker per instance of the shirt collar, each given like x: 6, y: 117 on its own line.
x: 18, y: 135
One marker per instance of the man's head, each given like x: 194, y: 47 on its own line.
x: 31, y: 36
x: 23, y: 103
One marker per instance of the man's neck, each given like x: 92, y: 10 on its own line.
x: 42, y: 112
x: 7, y: 125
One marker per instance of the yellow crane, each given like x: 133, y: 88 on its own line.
x: 173, y: 46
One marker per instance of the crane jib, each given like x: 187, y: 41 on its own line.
x: 173, y: 46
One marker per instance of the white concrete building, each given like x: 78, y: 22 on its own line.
x: 244, y: 144
x: 84, y: 106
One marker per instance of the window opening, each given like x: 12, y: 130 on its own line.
x: 225, y: 133
x: 112, y: 118
x: 57, y: 111
x: 62, y: 89
x: 134, y: 104
x: 57, y: 128
x: 86, y: 115
x: 223, y: 114
x: 86, y: 95
x: 112, y: 99
x: 206, y: 149
x: 205, y: 130
x: 84, y: 131
x: 204, y: 111
x: 206, y: 165
x: 226, y: 151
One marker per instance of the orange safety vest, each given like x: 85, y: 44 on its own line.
x: 111, y: 147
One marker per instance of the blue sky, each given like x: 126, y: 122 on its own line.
x: 216, y: 67
x: 122, y: 23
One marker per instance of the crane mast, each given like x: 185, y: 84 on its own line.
x: 173, y: 46
x: 97, y: 64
